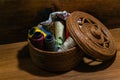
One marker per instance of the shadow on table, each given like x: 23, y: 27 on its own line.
x: 25, y: 63
x: 84, y: 67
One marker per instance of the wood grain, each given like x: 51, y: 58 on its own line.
x: 15, y: 64
x: 17, y: 16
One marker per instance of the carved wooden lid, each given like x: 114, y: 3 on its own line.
x: 91, y: 35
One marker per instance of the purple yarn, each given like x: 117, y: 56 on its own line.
x: 38, y: 40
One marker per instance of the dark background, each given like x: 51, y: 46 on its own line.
x: 17, y: 16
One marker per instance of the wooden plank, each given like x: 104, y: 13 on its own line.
x: 15, y: 64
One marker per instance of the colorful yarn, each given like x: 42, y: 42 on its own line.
x: 69, y: 43
x: 67, y: 34
x: 45, y: 30
x: 38, y: 40
x: 50, y: 43
x: 59, y: 33
x: 32, y: 31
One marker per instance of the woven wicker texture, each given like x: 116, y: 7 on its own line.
x: 55, y: 61
x: 91, y: 35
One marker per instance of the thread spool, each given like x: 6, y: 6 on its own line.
x: 59, y: 33
x: 66, y: 33
x: 50, y: 43
x: 38, y: 40
x: 33, y: 30
x: 44, y: 29
x: 69, y: 43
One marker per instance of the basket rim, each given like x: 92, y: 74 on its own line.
x: 50, y: 52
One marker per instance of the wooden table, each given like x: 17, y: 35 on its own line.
x: 15, y: 64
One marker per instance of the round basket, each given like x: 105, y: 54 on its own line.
x: 55, y: 61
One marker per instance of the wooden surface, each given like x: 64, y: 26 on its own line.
x: 15, y: 64
x: 17, y: 16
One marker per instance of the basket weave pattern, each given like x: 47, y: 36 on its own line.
x: 55, y: 61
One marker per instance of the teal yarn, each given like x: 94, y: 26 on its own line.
x: 44, y: 29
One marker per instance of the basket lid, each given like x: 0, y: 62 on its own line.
x: 91, y: 35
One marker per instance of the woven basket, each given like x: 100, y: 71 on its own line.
x: 55, y: 61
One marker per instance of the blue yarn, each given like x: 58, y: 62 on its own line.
x: 45, y: 30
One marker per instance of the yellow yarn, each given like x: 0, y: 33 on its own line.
x: 37, y: 30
